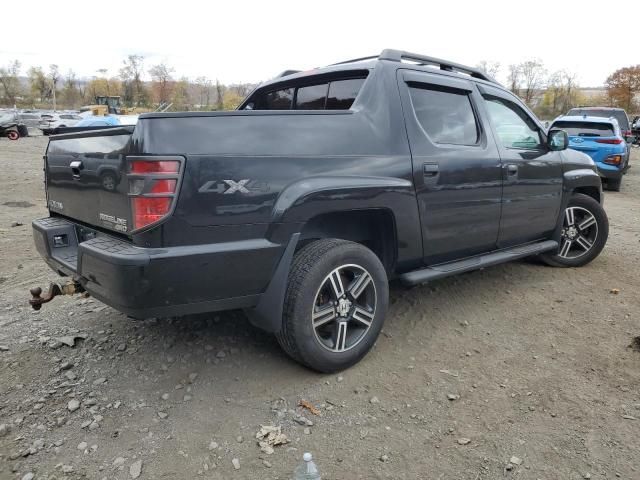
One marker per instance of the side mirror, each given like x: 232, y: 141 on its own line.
x: 557, y: 140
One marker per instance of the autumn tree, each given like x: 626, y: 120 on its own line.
x: 54, y: 77
x: 10, y: 82
x: 220, y: 89
x: 514, y: 78
x: 180, y: 97
x: 70, y: 93
x: 562, y: 94
x: 490, y: 68
x: 134, y: 92
x: 204, y: 86
x: 161, y: 82
x: 38, y: 84
x: 533, y: 75
x: 622, y: 87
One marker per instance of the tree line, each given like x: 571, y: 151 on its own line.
x: 49, y: 88
x: 548, y: 93
x: 551, y: 94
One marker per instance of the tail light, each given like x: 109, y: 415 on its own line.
x: 613, y: 160
x: 626, y: 133
x: 610, y: 141
x: 153, y: 188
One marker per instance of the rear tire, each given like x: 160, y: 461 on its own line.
x: 335, y: 304
x: 614, y: 185
x: 584, y: 233
x: 13, y: 135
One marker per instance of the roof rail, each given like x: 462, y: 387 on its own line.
x: 287, y: 72
x: 399, y: 55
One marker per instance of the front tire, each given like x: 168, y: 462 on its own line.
x: 335, y: 304
x: 13, y: 135
x: 585, y: 230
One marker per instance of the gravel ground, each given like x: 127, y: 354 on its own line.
x: 518, y: 371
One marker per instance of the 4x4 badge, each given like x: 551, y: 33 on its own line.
x: 231, y: 186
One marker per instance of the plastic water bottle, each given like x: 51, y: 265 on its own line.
x: 308, y: 470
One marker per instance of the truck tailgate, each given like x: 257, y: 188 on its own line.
x: 86, y: 177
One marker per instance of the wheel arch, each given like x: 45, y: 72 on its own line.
x: 375, y: 228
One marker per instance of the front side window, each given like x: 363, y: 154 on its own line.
x: 514, y: 127
x: 445, y: 114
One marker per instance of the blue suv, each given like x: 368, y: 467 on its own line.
x: 601, y: 139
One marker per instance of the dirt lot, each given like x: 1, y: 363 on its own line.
x: 519, y: 360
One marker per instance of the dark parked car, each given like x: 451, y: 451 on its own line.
x: 301, y: 205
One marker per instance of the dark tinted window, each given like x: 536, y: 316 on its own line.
x: 311, y: 98
x: 342, y: 93
x: 586, y: 129
x: 446, y: 115
x: 278, y: 100
x: 338, y: 94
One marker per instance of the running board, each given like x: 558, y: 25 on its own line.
x: 435, y: 272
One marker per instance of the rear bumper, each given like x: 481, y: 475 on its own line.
x: 609, y: 172
x: 152, y: 282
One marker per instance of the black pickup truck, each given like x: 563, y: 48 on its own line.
x: 300, y: 206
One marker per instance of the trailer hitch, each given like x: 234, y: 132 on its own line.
x: 54, y: 290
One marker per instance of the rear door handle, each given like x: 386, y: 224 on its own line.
x: 430, y: 169
x: 76, y: 166
x: 512, y: 170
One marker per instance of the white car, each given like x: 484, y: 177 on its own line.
x: 50, y: 123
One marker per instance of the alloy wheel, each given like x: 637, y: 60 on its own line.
x: 579, y: 232
x: 344, y: 308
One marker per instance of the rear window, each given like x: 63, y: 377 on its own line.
x: 338, y: 94
x: 586, y: 129
x: 619, y: 115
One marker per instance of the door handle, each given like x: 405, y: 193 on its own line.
x: 76, y: 166
x: 430, y: 169
x: 512, y: 170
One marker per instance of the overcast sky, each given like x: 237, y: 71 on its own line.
x: 249, y: 41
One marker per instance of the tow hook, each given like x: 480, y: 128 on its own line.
x: 54, y: 290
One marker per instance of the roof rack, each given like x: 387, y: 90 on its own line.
x: 399, y: 56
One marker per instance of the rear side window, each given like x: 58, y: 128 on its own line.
x: 586, y: 129
x: 336, y: 94
x: 342, y: 93
x: 312, y: 98
x: 445, y: 114
x: 278, y: 100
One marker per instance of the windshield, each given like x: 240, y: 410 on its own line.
x: 586, y: 129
